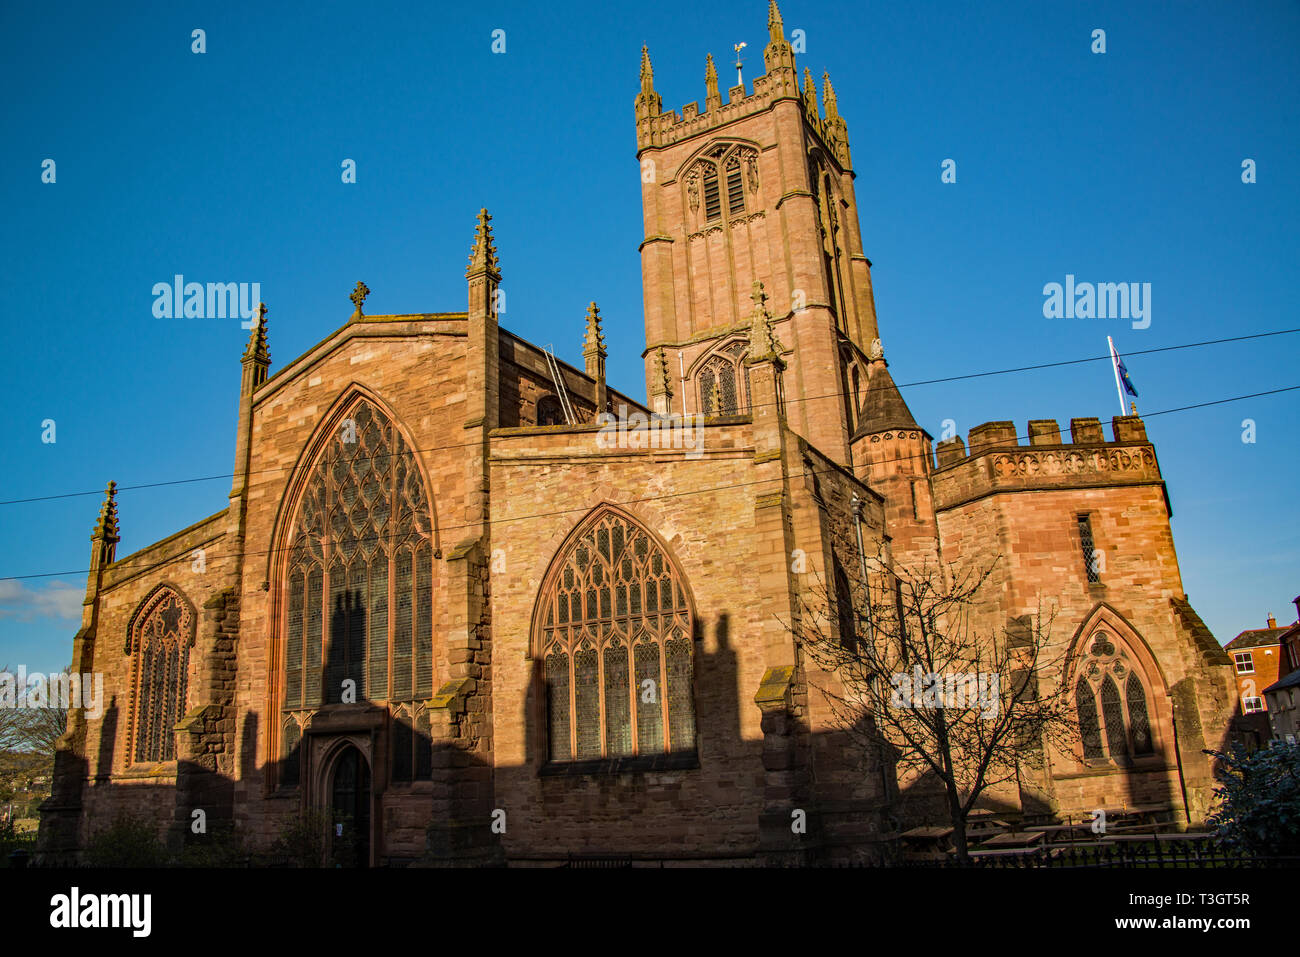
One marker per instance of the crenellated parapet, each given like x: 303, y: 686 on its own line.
x: 998, y: 462
x: 657, y: 129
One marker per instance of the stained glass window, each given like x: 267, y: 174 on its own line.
x: 159, y: 640
x: 290, y: 751
x: 1107, y: 675
x: 1089, y: 728
x: 360, y: 579
x: 616, y: 641
x: 1139, y: 724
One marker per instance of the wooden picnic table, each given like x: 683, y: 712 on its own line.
x: 1014, y: 839
x: 1162, y: 838
x: 927, y: 833
x: 1006, y: 852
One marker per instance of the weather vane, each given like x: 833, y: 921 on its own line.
x: 739, y: 47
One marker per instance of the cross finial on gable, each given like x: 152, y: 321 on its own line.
x: 358, y: 297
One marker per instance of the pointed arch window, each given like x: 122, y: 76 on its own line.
x: 615, y: 636
x: 359, y: 594
x: 722, y: 172
x: 1111, y: 702
x: 723, y: 381
x: 160, y: 637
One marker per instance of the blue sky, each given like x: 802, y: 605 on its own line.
x: 225, y: 166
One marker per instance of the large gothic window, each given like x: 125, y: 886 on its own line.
x: 1111, y: 703
x: 616, y: 643
x: 159, y: 639
x: 359, y: 595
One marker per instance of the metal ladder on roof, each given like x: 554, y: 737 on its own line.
x: 565, y: 405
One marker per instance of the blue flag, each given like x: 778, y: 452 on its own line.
x: 1123, y: 376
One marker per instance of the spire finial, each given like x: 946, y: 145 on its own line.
x: 775, y: 28
x: 107, y: 527
x: 712, y: 99
x: 257, y: 345
x: 810, y: 93
x: 828, y: 98
x: 594, y: 343
x: 358, y: 297
x: 483, y: 257
x: 648, y: 102
x: 778, y: 54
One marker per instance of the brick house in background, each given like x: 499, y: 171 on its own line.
x: 1282, y: 697
x: 437, y: 592
x: 1258, y: 658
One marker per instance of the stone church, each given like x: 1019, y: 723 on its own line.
x: 448, y: 605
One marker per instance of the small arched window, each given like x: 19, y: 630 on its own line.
x: 615, y: 637
x: 1110, y: 697
x: 724, y: 381
x: 846, y: 618
x: 160, y: 638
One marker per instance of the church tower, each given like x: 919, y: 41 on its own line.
x: 757, y: 189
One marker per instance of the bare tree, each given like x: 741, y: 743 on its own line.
x: 33, y: 730
x: 919, y: 680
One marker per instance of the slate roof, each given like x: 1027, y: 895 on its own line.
x: 1257, y: 638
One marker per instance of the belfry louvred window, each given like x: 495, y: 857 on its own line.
x: 160, y: 643
x: 616, y: 645
x: 359, y: 595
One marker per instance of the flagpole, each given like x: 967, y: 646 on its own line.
x: 1114, y: 365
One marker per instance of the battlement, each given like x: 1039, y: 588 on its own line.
x: 670, y: 127
x: 996, y: 460
x: 657, y: 129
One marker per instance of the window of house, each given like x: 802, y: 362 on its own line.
x: 1111, y: 703
x: 1245, y: 663
x: 160, y: 638
x: 615, y: 635
x: 359, y: 592
x: 1251, y: 704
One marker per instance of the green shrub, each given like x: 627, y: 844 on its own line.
x: 127, y: 842
x: 1258, y: 809
x: 301, y: 842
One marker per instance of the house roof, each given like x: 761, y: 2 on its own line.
x: 1257, y: 638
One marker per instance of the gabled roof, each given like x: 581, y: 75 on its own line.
x: 883, y: 409
x: 1256, y: 638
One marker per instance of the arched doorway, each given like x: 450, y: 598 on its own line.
x: 350, y: 810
